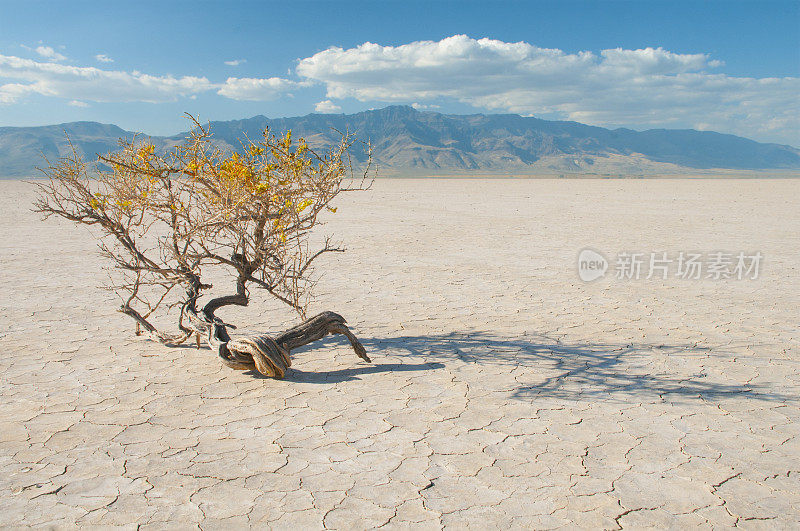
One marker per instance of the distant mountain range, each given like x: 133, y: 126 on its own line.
x: 407, y: 141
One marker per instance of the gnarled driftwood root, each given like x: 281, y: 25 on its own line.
x: 270, y: 356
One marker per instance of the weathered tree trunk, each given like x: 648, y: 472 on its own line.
x: 268, y: 355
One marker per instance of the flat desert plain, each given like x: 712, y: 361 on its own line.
x: 504, y: 391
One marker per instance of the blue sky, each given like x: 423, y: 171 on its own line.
x: 726, y: 66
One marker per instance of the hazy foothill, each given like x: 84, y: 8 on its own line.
x: 410, y: 142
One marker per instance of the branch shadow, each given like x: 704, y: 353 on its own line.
x: 601, y: 371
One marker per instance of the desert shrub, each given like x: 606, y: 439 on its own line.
x: 167, y: 216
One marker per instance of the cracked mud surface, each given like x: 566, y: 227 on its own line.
x: 504, y: 391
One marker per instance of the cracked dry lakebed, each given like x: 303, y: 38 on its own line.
x: 503, y: 390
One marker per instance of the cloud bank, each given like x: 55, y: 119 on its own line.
x: 95, y: 84
x: 90, y: 83
x: 643, y: 88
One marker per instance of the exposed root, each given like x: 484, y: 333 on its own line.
x: 268, y: 355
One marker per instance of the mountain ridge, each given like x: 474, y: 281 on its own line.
x: 406, y: 140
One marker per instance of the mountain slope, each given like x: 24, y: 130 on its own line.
x: 405, y: 139
x: 22, y: 148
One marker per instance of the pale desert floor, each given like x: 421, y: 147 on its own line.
x: 503, y: 390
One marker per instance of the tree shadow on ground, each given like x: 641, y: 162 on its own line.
x: 346, y: 375
x: 577, y: 371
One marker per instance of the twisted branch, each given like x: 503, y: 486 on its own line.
x: 268, y: 355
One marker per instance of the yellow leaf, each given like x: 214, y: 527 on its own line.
x: 303, y: 205
x: 146, y: 151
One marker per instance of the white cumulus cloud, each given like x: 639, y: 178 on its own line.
x: 89, y: 83
x: 256, y: 89
x: 20, y: 77
x: 49, y: 53
x: 78, y: 103
x: 11, y: 92
x: 327, y: 107
x: 235, y: 62
x: 642, y: 88
x: 103, y: 58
